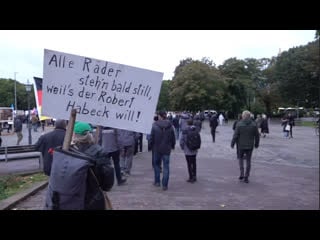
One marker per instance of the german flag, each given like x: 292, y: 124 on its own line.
x: 38, y: 82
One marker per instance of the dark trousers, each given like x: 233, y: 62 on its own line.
x: 247, y: 153
x: 138, y: 144
x: 192, y: 166
x: 238, y: 150
x: 213, y: 134
x: 116, y: 162
x: 290, y: 130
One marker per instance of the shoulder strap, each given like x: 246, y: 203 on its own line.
x: 93, y: 150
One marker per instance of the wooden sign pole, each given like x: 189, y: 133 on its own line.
x: 69, y: 131
x: 97, y: 135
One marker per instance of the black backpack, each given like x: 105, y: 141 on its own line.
x: 76, y: 175
x: 193, y: 139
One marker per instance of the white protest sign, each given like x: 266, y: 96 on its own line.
x: 103, y: 93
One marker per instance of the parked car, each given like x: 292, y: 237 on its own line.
x: 206, y: 113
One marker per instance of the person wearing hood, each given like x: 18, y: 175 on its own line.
x: 190, y: 155
x: 162, y: 141
x: 184, y: 117
x: 247, y: 136
x: 197, y: 122
x: 48, y: 141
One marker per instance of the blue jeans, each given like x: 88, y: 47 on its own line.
x: 165, y: 177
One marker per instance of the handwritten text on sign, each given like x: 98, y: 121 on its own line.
x: 103, y: 93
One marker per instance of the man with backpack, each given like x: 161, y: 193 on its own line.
x: 162, y: 141
x: 80, y: 175
x: 190, y: 142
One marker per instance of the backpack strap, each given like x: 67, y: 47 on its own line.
x: 108, y: 204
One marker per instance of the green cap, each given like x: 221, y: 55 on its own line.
x: 81, y: 128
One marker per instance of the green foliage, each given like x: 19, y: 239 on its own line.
x: 7, y: 95
x: 11, y: 184
x: 196, y: 85
x: 297, y: 72
x: 164, y: 98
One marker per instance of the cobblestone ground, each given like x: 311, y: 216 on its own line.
x: 284, y: 176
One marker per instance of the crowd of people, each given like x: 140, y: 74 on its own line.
x: 167, y: 131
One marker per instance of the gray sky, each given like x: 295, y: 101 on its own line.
x: 22, y: 51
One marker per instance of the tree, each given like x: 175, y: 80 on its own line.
x: 7, y: 94
x: 164, y: 99
x: 239, y: 84
x: 196, y: 86
x: 297, y: 72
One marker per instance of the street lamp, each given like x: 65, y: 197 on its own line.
x: 15, y: 92
x: 28, y: 89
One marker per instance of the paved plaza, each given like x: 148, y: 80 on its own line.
x: 284, y: 176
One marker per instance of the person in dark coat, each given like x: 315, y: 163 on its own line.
x: 264, y: 125
x: 47, y: 142
x: 247, y: 136
x: 291, y: 123
x: 162, y: 141
x: 190, y: 155
x: 175, y: 122
x: 213, y: 126
x: 197, y: 123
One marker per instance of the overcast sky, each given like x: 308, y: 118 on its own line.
x: 22, y: 51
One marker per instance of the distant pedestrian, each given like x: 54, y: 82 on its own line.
x: 138, y: 143
x: 190, y: 155
x: 285, y: 125
x: 258, y: 122
x: 221, y: 119
x: 43, y: 124
x: 47, y: 142
x: 162, y: 141
x: 213, y: 125
x: 18, y: 129
x: 175, y: 122
x: 264, y: 126
x: 247, y: 136
x: 291, y: 124
x: 34, y: 122
x: 234, y: 128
